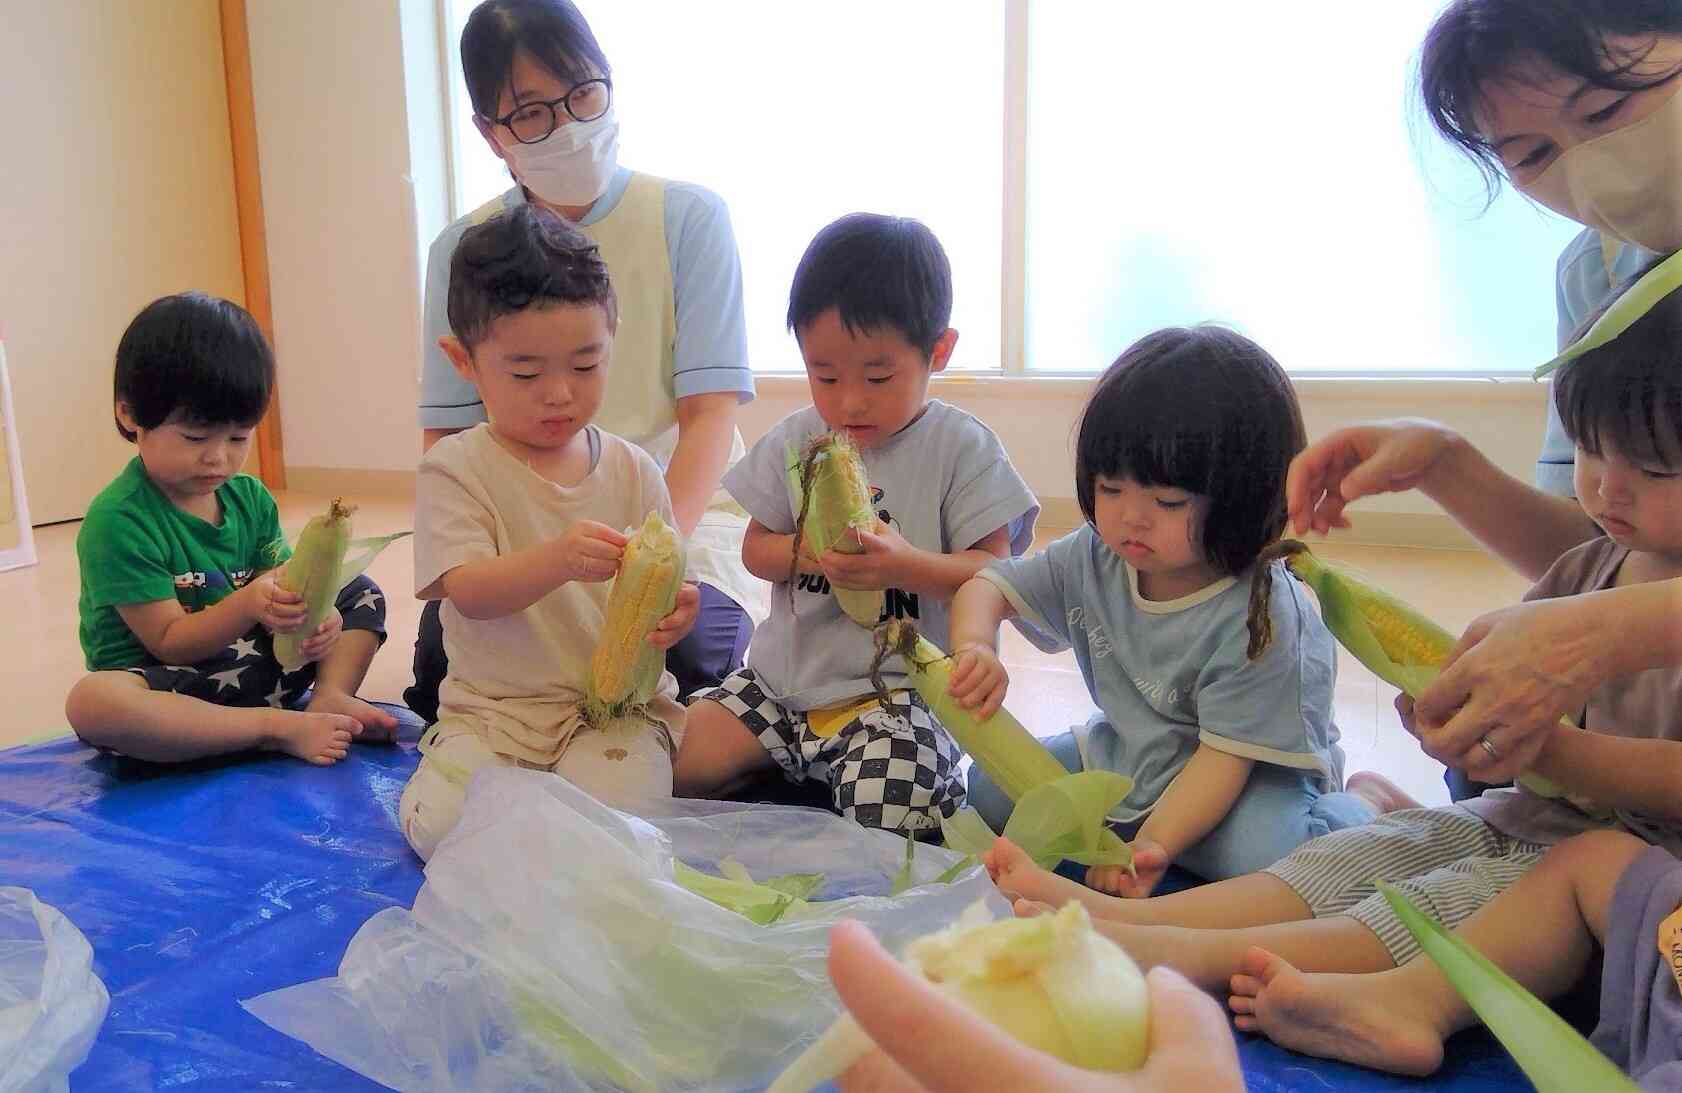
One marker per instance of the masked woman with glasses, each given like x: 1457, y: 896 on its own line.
x: 1578, y: 105
x: 543, y: 98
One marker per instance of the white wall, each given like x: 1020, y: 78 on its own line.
x: 116, y: 187
x: 342, y: 208
x: 352, y: 204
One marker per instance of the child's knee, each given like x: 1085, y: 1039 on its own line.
x: 88, y: 705
x: 1597, y: 850
x: 430, y: 807
x: 362, y: 605
x: 898, y: 780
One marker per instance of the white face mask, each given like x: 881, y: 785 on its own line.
x: 571, y: 166
x: 1627, y: 183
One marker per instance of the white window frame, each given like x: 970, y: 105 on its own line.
x: 1013, y: 313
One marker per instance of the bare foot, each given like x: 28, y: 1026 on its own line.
x: 1379, y: 792
x: 1018, y: 878
x: 378, y: 727
x: 1355, y: 1018
x: 1107, y: 879
x: 319, y: 738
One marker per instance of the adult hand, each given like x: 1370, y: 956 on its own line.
x: 1513, y: 675
x: 931, y: 1043
x: 1378, y: 457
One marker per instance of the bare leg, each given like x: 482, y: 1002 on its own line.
x: 1379, y: 792
x: 718, y: 753
x: 337, y: 678
x: 1541, y: 931
x: 1256, y: 899
x: 1211, y: 957
x: 118, y: 710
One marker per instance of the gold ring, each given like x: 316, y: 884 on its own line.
x: 1483, y: 742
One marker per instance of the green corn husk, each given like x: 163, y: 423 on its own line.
x: 625, y: 669
x: 832, y: 495
x: 735, y: 890
x: 1549, y: 1051
x: 1636, y: 301
x: 324, y: 560
x: 1057, y: 813
x: 1395, y: 642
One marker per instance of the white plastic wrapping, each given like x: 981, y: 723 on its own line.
x: 51, y: 1002
x: 550, y: 948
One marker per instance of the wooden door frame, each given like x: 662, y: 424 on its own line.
x: 253, y: 239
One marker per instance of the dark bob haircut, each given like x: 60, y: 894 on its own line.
x: 1203, y: 409
x: 522, y: 258
x: 1477, y: 42
x: 197, y: 358
x: 552, y: 32
x: 880, y: 273
x: 1628, y: 393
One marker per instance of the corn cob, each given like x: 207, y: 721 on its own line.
x: 625, y: 670
x: 313, y: 573
x: 829, y: 480
x: 1397, y: 643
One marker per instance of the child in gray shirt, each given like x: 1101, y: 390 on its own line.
x: 869, y: 307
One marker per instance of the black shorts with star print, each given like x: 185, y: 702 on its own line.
x: 246, y: 673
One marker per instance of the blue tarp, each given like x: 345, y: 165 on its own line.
x: 202, y: 885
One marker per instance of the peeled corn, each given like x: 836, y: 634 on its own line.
x: 313, y: 573
x: 625, y: 670
x: 829, y: 480
x: 1397, y: 643
x: 1052, y: 982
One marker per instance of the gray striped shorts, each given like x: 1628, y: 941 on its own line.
x: 1447, y: 861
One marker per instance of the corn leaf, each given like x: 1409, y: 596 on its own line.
x: 360, y: 554
x: 760, y: 903
x: 1636, y: 301
x: 1067, y: 818
x: 902, y: 879
x: 1549, y: 1051
x: 967, y: 833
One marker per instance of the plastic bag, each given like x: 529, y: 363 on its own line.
x: 51, y: 1003
x: 551, y: 949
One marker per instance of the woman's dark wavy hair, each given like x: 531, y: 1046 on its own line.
x: 552, y: 32
x: 1474, y: 43
x: 1627, y: 394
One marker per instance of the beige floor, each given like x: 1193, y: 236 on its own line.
x: 40, y: 658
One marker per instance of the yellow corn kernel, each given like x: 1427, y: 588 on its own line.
x: 313, y: 573
x: 625, y: 670
x: 830, y: 478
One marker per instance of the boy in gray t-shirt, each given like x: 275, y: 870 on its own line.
x: 869, y: 306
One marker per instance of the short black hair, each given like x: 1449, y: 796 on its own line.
x: 1203, y: 409
x: 196, y: 356
x: 1477, y: 42
x: 1628, y: 392
x: 880, y: 273
x: 552, y: 32
x: 521, y: 258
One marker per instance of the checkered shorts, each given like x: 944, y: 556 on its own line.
x: 893, y: 768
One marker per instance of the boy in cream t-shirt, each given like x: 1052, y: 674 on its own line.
x: 518, y: 527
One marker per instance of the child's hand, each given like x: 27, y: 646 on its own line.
x: 676, y: 626
x: 319, y: 644
x: 590, y: 551
x: 979, y: 680
x: 1150, y: 863
x: 267, y: 603
x: 886, y: 560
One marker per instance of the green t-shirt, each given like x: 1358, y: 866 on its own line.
x: 136, y: 546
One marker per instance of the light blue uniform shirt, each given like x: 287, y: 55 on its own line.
x: 1584, y: 286
x: 711, y: 353
x: 1170, y: 675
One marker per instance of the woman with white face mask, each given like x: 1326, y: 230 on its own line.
x: 543, y: 98
x: 1578, y: 105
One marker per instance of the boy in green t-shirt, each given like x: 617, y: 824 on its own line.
x: 179, y: 601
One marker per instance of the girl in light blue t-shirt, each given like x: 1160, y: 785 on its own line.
x: 1212, y: 671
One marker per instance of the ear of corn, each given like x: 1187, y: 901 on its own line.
x: 1057, y: 815
x: 313, y: 573
x: 832, y: 492
x: 1550, y: 1052
x: 625, y: 670
x: 1052, y: 982
x: 1397, y: 643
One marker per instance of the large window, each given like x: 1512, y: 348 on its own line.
x: 1095, y: 171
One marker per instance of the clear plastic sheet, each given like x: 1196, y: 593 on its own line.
x: 51, y: 1002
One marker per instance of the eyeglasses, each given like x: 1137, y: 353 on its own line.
x: 533, y: 121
